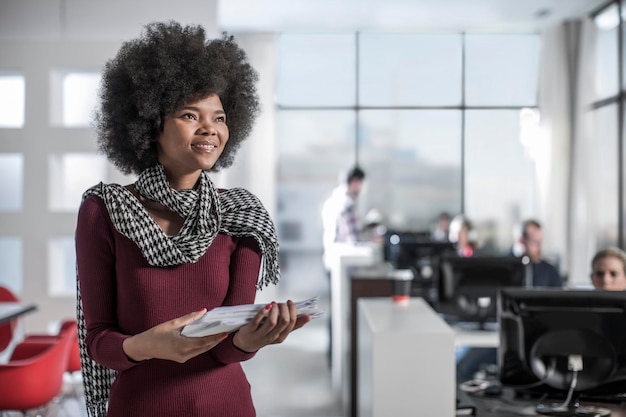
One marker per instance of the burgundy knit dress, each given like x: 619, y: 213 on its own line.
x: 123, y: 295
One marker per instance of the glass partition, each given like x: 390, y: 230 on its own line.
x: 403, y: 69
x: 314, y: 148
x: 606, y: 65
x: 501, y: 70
x: 11, y: 263
x: 499, y: 176
x: 603, y: 179
x: 316, y: 70
x: 413, y: 160
x: 11, y: 181
x: 12, y: 100
x: 74, y: 96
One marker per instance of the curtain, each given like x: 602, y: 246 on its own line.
x: 581, y: 241
x: 565, y: 90
x: 552, y: 145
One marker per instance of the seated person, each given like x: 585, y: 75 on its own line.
x: 441, y: 229
x: 472, y: 360
x: 462, y: 234
x: 608, y: 270
x: 544, y: 274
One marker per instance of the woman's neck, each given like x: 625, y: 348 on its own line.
x: 186, y: 181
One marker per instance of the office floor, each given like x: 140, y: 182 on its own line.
x: 288, y: 380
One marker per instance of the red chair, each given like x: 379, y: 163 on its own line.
x: 33, y: 377
x: 73, y: 362
x: 7, y: 330
x: 73, y: 359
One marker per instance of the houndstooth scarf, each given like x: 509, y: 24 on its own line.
x: 206, y: 213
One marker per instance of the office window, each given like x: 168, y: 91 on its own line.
x: 622, y: 191
x: 316, y: 70
x: 11, y: 181
x: 62, y: 266
x: 412, y: 150
x: 501, y: 70
x: 603, y: 163
x: 11, y: 263
x: 499, y: 176
x: 313, y: 147
x: 12, y: 93
x: 623, y: 7
x: 413, y: 162
x: 70, y: 175
x: 410, y: 70
x: 607, y: 69
x: 74, y: 97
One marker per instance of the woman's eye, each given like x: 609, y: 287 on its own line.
x: 221, y: 119
x: 189, y: 116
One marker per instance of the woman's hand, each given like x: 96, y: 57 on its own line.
x: 269, y: 326
x: 164, y: 341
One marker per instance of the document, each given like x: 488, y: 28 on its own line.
x: 230, y: 318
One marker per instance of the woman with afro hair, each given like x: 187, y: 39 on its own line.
x: 155, y: 255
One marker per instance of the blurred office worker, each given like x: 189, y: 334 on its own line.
x: 339, y: 215
x: 441, y: 229
x: 544, y: 274
x: 461, y: 233
x: 608, y: 270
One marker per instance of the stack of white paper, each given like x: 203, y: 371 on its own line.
x: 230, y: 318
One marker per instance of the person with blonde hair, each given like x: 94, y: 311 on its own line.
x: 608, y: 269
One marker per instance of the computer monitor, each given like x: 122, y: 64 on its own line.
x: 407, y: 250
x: 563, y: 341
x: 468, y: 287
x: 417, y: 252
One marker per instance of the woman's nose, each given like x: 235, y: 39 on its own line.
x: 206, y: 128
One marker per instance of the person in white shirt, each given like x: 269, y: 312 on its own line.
x: 341, y: 224
x: 339, y: 215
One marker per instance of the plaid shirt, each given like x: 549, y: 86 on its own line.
x: 347, y: 229
x: 339, y: 220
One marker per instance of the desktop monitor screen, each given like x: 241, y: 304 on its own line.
x: 414, y: 250
x: 563, y: 340
x: 468, y: 287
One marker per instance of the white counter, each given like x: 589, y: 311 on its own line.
x: 344, y: 257
x: 476, y: 338
x: 406, y: 360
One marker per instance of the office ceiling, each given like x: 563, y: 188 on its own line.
x: 398, y: 15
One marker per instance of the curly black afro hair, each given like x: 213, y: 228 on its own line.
x: 157, y: 74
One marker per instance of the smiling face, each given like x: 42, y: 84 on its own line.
x: 192, y: 138
x: 608, y: 274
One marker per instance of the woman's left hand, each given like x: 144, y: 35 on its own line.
x: 269, y: 326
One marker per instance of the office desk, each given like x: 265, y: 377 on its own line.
x: 507, y: 405
x: 375, y: 281
x: 475, y: 338
x: 12, y: 310
x: 406, y: 360
x: 345, y: 258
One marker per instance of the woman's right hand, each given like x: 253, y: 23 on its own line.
x: 164, y: 341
